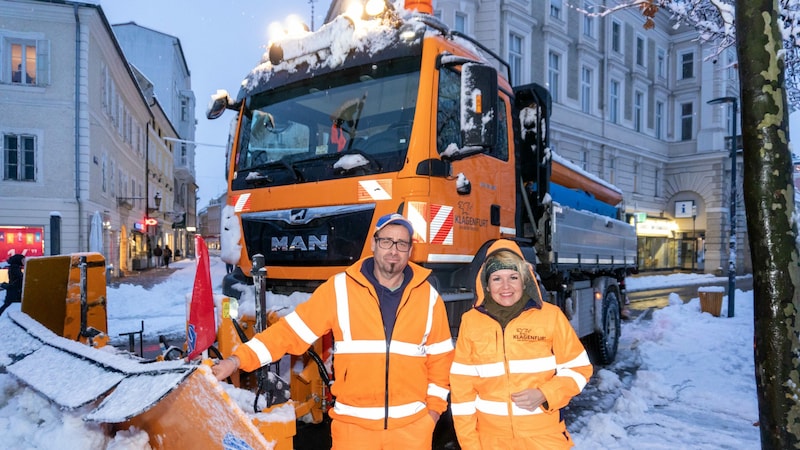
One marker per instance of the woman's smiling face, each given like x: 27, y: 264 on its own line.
x: 505, y: 286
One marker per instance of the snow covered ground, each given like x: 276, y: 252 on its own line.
x: 684, y: 379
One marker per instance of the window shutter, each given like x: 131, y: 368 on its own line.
x: 43, y: 62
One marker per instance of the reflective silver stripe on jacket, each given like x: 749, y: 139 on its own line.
x: 490, y: 407
x: 258, y: 347
x: 377, y: 412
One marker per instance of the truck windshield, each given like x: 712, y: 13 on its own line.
x: 352, y: 122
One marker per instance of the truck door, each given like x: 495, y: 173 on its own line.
x: 479, y: 189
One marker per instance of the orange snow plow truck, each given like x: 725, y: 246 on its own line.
x: 389, y: 111
x: 381, y: 110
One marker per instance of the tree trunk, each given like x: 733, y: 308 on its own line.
x: 769, y: 203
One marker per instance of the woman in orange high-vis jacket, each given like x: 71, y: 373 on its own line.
x: 517, y: 362
x: 392, y: 345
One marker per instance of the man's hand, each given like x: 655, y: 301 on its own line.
x: 529, y: 399
x: 434, y: 415
x: 225, y: 368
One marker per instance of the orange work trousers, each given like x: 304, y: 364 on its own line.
x: 417, y: 435
x: 559, y: 440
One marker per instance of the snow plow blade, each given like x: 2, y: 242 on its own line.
x: 179, y: 405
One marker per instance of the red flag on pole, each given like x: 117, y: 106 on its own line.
x: 202, y: 325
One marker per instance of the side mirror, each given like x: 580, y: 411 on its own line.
x: 478, y: 105
x: 218, y: 104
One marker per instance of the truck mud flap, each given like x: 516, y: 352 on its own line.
x: 178, y: 405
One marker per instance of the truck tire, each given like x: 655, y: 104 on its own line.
x: 604, y: 342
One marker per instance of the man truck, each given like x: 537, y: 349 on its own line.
x: 395, y: 112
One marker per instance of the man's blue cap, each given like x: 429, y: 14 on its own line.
x: 395, y: 219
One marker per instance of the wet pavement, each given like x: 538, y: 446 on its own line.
x: 146, y: 278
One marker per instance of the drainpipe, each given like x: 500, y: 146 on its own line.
x: 77, y: 126
x: 148, y: 246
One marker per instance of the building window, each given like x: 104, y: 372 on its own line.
x: 586, y: 90
x: 612, y: 165
x: 638, y: 100
x: 111, y: 182
x: 639, y: 51
x: 27, y: 61
x: 461, y: 23
x: 19, y: 157
x: 613, y: 101
x: 616, y: 37
x: 656, y: 183
x: 659, y: 120
x: 515, y: 57
x: 636, y: 166
x: 184, y: 155
x: 661, y: 62
x: 687, y: 65
x: 588, y: 19
x: 585, y: 160
x: 553, y: 74
x: 555, y: 8
x: 104, y: 175
x: 23, y: 62
x: 686, y: 121
x: 732, y: 65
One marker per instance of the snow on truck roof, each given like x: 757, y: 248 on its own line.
x: 336, y: 42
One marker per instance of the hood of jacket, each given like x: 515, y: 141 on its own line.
x: 531, y: 286
x: 16, y: 260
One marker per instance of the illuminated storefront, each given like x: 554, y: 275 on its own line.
x: 28, y: 241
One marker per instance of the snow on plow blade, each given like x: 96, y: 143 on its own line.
x: 177, y: 404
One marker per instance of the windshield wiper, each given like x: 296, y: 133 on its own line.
x: 296, y: 174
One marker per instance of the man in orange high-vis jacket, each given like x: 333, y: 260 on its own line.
x: 517, y: 361
x: 392, y: 350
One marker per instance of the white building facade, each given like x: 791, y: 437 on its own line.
x: 78, y: 133
x: 630, y: 105
x: 160, y: 58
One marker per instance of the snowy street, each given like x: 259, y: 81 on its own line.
x: 682, y: 379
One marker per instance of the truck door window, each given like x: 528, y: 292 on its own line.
x: 501, y: 150
x: 448, y: 121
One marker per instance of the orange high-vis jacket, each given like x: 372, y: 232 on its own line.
x: 417, y: 359
x: 537, y: 349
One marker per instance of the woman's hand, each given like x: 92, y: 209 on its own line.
x: 529, y: 399
x: 225, y: 368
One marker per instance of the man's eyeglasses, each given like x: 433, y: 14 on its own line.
x: 387, y: 243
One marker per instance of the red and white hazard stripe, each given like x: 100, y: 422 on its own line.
x: 441, y: 225
x: 241, y: 203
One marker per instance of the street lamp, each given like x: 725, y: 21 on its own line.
x: 157, y: 200
x: 732, y: 245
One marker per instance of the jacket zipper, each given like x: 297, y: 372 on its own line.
x: 386, y: 383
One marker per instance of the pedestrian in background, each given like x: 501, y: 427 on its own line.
x: 393, y: 346
x: 158, y: 254
x: 14, y: 286
x: 518, y: 361
x: 167, y: 256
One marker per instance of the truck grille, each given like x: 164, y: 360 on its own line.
x: 329, y: 236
